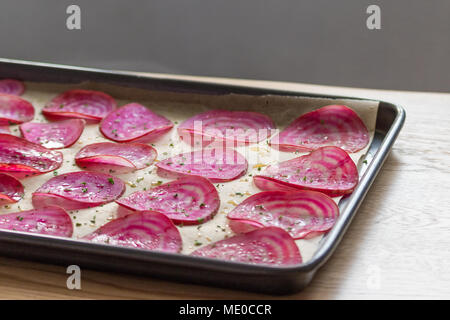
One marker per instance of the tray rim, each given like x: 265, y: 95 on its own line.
x: 325, y: 249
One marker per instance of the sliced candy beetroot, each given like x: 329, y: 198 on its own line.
x: 188, y: 200
x: 301, y: 213
x: 47, y: 220
x: 113, y: 157
x: 14, y: 109
x: 134, y: 122
x: 269, y: 245
x: 78, y: 190
x: 11, y: 190
x: 12, y: 87
x: 80, y: 104
x: 224, y: 125
x: 22, y: 158
x: 144, y: 230
x: 218, y: 165
x: 333, y: 125
x: 329, y: 170
x: 54, y: 135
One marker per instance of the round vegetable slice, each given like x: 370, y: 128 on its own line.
x: 115, y: 158
x: 301, y: 213
x: 218, y: 165
x: 224, y: 125
x: 269, y: 245
x: 144, y: 230
x: 54, y: 135
x: 12, y: 87
x: 14, y: 109
x: 80, y: 104
x: 188, y: 200
x: 47, y: 220
x: 333, y: 125
x: 78, y: 190
x: 22, y: 158
x: 329, y: 170
x: 134, y: 122
x: 11, y: 190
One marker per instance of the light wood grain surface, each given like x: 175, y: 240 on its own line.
x: 398, y: 246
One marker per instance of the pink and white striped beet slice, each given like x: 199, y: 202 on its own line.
x: 11, y: 190
x: 333, y: 125
x: 21, y: 158
x: 187, y: 201
x: 12, y: 87
x: 301, y: 213
x: 328, y: 169
x: 143, y: 230
x: 224, y: 125
x: 134, y: 122
x: 268, y: 245
x: 47, y: 220
x: 217, y: 165
x: 109, y: 157
x: 14, y: 109
x: 78, y: 190
x: 53, y: 135
x: 80, y: 104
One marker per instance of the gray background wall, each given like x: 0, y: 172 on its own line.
x: 314, y: 41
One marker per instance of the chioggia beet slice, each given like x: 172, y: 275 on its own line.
x: 224, y: 125
x: 80, y: 104
x: 269, y: 245
x: 301, y: 213
x: 21, y: 158
x: 134, y: 122
x: 333, y: 125
x: 12, y: 87
x: 47, y: 220
x: 109, y: 157
x: 53, y: 135
x: 4, y: 127
x: 188, y: 200
x: 329, y: 170
x: 78, y: 190
x: 144, y: 230
x: 14, y: 109
x: 217, y: 165
x: 11, y: 190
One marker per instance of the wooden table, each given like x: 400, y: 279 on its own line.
x: 398, y: 246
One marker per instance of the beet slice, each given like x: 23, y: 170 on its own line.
x: 333, y: 125
x: 218, y: 165
x: 80, y: 104
x: 78, y: 190
x: 47, y: 220
x: 269, y: 245
x: 11, y: 190
x: 12, y: 87
x: 113, y: 157
x: 301, y: 213
x: 134, y: 122
x: 329, y: 170
x: 224, y: 125
x: 188, y: 200
x: 54, y: 135
x: 144, y: 230
x: 14, y: 109
x: 22, y: 158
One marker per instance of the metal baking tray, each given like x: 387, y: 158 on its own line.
x: 258, y: 278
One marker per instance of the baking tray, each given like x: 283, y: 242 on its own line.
x: 258, y: 278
